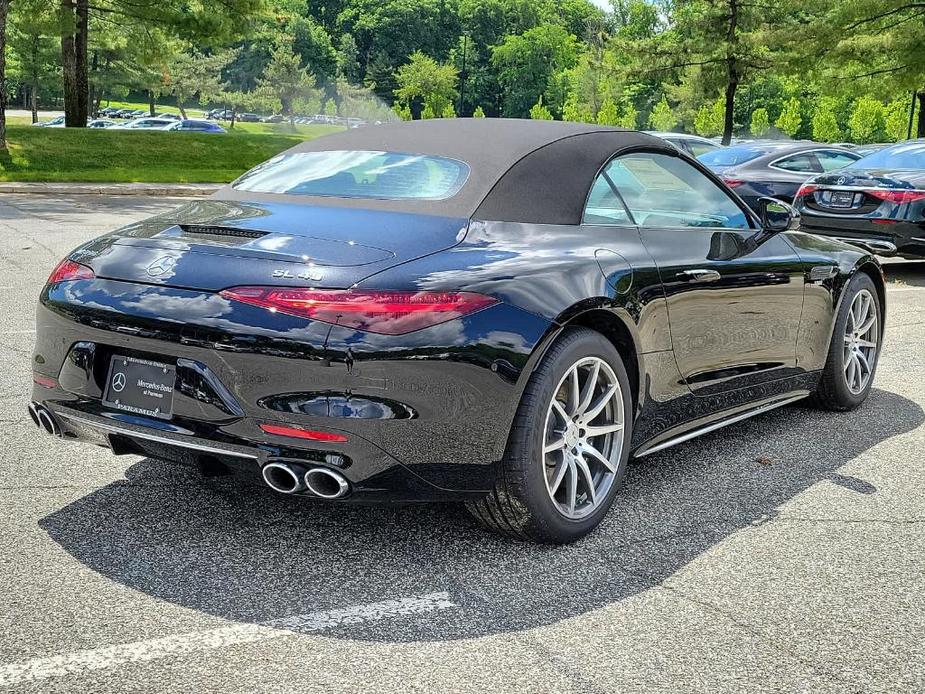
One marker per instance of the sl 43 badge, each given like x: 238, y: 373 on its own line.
x: 312, y: 275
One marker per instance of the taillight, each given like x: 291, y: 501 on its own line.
x: 384, y: 312
x: 733, y: 182
x: 896, y: 196
x: 806, y: 189
x: 67, y: 270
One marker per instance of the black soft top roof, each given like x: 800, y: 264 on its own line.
x: 520, y: 170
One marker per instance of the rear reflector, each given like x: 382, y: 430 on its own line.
x: 806, y: 189
x: 896, y: 196
x: 300, y: 433
x: 44, y: 381
x: 67, y: 270
x: 885, y: 221
x: 384, y: 312
x: 733, y: 182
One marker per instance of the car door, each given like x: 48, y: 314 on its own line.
x: 734, y: 295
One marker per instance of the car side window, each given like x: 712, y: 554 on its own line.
x: 830, y: 159
x: 604, y: 206
x: 801, y: 163
x: 660, y: 190
x: 698, y: 148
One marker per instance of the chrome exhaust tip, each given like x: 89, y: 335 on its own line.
x: 283, y: 478
x: 34, y: 414
x: 44, y: 418
x: 326, y: 483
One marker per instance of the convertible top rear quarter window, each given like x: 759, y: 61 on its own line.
x: 358, y: 174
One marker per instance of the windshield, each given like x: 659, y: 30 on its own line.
x: 907, y: 155
x: 358, y: 174
x: 731, y: 156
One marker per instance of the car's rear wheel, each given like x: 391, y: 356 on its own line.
x: 852, y: 361
x: 568, y: 446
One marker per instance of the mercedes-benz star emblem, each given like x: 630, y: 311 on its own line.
x: 118, y: 382
x: 162, y: 266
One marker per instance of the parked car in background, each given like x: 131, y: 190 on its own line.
x: 248, y: 118
x: 123, y: 113
x: 109, y: 111
x: 101, y: 123
x: 168, y: 116
x: 772, y: 168
x: 877, y: 203
x: 865, y: 150
x: 57, y: 121
x: 275, y: 118
x: 689, y: 144
x: 194, y: 125
x: 145, y: 124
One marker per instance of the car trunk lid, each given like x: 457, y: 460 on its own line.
x: 215, y: 244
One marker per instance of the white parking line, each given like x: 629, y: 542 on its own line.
x: 181, y: 644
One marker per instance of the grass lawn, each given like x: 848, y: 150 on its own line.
x: 114, y: 156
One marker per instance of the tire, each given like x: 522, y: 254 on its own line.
x: 834, y: 391
x: 521, y: 504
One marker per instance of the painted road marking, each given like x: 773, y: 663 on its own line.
x: 191, y: 642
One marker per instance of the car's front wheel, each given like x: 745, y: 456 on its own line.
x: 855, y: 348
x: 568, y: 446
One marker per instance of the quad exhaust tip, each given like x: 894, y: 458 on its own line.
x: 290, y: 478
x: 43, y: 418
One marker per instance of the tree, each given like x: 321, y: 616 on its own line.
x: 896, y: 119
x: 662, y: 118
x: 525, y: 63
x: 478, y: 112
x: 760, y: 123
x: 628, y: 116
x: 789, y: 120
x: 287, y: 81
x: 423, y: 83
x: 710, y: 119
x: 4, y: 13
x: 192, y: 74
x: 32, y: 24
x: 825, y: 122
x: 609, y: 113
x: 721, y: 43
x: 540, y: 112
x: 348, y: 65
x: 866, y: 123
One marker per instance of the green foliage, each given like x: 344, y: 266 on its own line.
x: 424, y: 83
x: 709, y: 119
x: 609, y: 113
x: 789, y: 120
x: 525, y: 64
x: 760, y: 123
x: 478, y: 112
x: 896, y: 119
x: 628, y: 116
x: 825, y: 122
x: 573, y: 111
x: 661, y: 118
x: 285, y: 83
x: 866, y: 123
x: 194, y: 74
x: 540, y: 112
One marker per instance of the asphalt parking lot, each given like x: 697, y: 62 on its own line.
x: 783, y: 554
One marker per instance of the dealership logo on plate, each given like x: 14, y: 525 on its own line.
x: 162, y: 266
x: 118, y: 382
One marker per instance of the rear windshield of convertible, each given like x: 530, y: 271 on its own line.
x: 358, y: 174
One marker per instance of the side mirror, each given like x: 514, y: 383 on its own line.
x: 777, y: 215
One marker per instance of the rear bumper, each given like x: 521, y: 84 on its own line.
x: 425, y: 414
x: 900, y: 238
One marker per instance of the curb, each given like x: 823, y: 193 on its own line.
x: 152, y: 189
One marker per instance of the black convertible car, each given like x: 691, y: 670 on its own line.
x: 499, y: 312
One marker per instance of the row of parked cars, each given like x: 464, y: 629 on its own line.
x: 318, y: 119
x: 872, y: 196
x: 164, y: 121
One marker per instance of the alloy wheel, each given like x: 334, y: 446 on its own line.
x: 862, y: 332
x: 583, y: 437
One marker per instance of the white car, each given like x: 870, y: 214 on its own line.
x: 693, y: 145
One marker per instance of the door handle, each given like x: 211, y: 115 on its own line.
x: 699, y: 275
